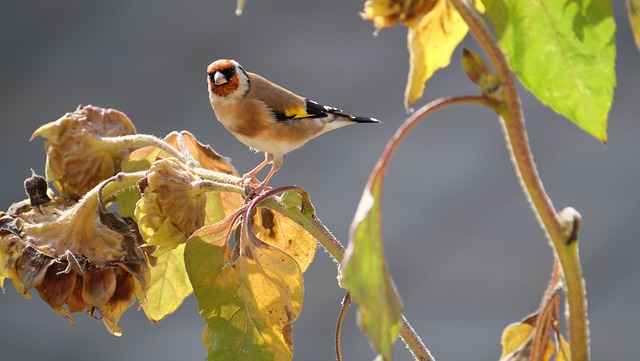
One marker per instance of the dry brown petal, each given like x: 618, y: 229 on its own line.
x: 32, y: 267
x: 125, y: 290
x: 75, y: 303
x: 99, y: 285
x: 57, y: 286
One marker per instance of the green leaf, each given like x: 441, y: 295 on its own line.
x: 169, y: 285
x: 365, y: 274
x: 564, y: 52
x: 249, y: 299
x: 127, y: 200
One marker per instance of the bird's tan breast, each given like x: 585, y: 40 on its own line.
x: 246, y: 117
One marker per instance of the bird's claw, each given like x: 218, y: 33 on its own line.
x: 252, y: 185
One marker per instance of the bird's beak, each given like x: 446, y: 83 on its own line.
x: 219, y: 78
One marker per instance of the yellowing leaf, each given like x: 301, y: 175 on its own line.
x: 432, y: 40
x: 385, y: 13
x: 514, y: 337
x: 168, y: 286
x: 633, y: 7
x: 365, y: 274
x: 11, y: 249
x: 564, y: 350
x: 186, y: 143
x: 249, y: 299
x: 518, y: 341
x: 283, y: 233
x: 221, y: 204
x: 141, y: 159
x: 530, y: 339
x: 203, y: 154
x: 435, y: 30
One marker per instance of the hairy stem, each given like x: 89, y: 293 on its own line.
x: 512, y: 120
x: 143, y: 140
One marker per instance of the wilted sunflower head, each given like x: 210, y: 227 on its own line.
x: 78, y: 155
x: 71, y: 258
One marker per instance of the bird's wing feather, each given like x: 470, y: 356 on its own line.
x: 287, y: 105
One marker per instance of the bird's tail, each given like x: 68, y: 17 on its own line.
x: 363, y: 119
x: 356, y: 119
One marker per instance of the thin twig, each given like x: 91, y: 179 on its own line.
x: 346, y: 301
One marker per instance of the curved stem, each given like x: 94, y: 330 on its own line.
x: 318, y: 230
x: 422, y: 113
x: 346, y: 301
x: 512, y: 120
x: 312, y: 224
x: 111, y: 186
x: 84, y: 211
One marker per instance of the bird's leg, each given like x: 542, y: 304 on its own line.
x: 250, y: 178
x: 262, y: 187
x: 275, y: 165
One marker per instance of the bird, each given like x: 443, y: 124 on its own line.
x: 267, y: 117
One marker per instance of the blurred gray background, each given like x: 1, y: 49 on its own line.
x: 464, y: 248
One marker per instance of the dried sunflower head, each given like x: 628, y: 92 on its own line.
x: 63, y: 250
x: 78, y: 158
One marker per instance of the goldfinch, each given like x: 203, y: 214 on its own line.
x: 267, y: 117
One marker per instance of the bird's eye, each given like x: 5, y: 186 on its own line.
x: 232, y: 70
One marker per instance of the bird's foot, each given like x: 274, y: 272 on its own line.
x: 249, y: 180
x: 252, y: 185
